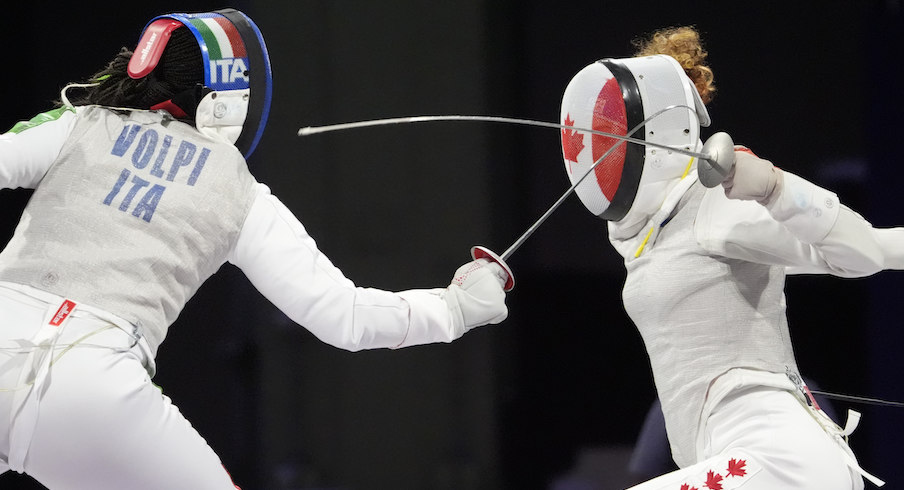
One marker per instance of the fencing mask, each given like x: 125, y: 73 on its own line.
x: 234, y: 101
x: 615, y: 96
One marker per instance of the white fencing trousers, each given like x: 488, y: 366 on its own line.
x: 92, y: 419
x: 764, y: 439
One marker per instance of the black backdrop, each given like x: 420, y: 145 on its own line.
x: 814, y: 86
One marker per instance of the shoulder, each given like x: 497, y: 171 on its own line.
x: 60, y: 114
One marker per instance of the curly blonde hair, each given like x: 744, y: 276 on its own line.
x: 683, y: 44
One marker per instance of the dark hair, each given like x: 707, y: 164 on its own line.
x: 180, y: 69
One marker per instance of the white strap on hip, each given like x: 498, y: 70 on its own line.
x: 26, y: 403
x: 850, y: 426
x: 840, y: 435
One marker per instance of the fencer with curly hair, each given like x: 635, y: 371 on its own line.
x: 706, y: 271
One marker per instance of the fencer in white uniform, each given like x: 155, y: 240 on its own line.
x: 142, y: 192
x: 705, y: 277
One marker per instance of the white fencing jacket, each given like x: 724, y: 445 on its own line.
x: 707, y: 295
x: 133, y: 211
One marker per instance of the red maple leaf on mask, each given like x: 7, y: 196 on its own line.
x: 687, y: 487
x: 736, y: 467
x: 572, y: 141
x: 712, y: 481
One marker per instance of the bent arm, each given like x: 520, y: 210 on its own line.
x: 805, y: 228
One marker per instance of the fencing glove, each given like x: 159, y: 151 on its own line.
x: 752, y: 178
x: 475, y: 296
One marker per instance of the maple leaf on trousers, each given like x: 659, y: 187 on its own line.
x: 687, y: 487
x: 736, y: 467
x: 572, y: 141
x: 712, y: 481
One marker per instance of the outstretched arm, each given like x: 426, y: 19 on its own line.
x: 283, y: 262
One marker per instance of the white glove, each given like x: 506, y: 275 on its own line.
x: 752, y: 178
x: 475, y: 296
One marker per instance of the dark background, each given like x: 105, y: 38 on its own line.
x: 558, y: 392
